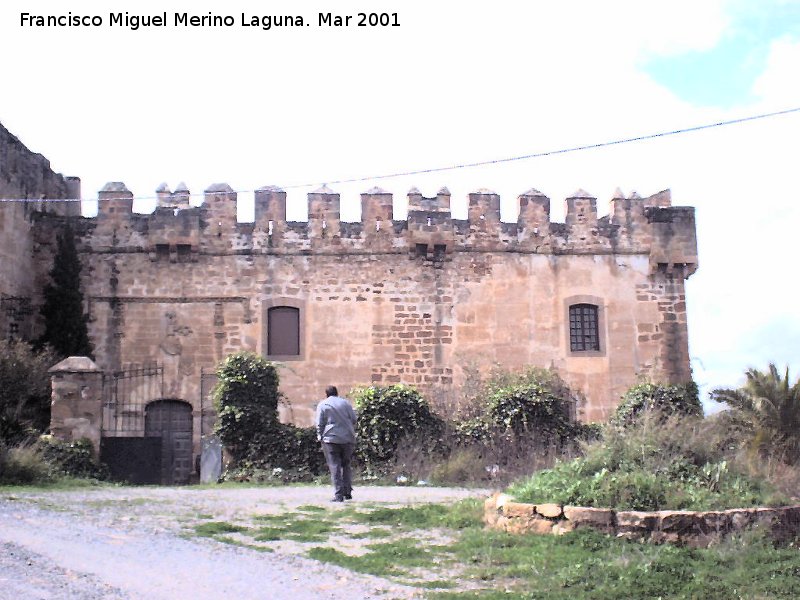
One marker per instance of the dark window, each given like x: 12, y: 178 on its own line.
x: 583, y: 329
x: 184, y: 252
x: 162, y: 252
x: 283, y: 331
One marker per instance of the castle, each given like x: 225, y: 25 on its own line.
x: 379, y: 301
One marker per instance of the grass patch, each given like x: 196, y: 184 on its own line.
x: 437, y: 585
x: 214, y: 528
x: 311, y: 508
x: 281, y: 518
x: 461, y: 515
x: 587, y: 564
x: 373, y: 533
x: 582, y: 564
x: 295, y: 529
x: 383, y: 559
x: 225, y: 539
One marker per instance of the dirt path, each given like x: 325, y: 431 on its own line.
x: 131, y: 543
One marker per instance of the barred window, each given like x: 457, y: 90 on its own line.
x: 283, y: 331
x: 583, y: 328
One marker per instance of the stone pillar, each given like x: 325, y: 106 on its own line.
x: 77, y: 400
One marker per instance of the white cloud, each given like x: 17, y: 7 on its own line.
x: 780, y: 80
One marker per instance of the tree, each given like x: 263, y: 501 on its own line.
x: 24, y: 390
x: 65, y: 327
x: 767, y: 408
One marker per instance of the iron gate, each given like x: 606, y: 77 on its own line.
x: 146, y: 438
x: 125, y: 395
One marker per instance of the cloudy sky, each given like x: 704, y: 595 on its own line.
x: 454, y: 83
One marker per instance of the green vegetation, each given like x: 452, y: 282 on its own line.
x: 587, y: 564
x: 24, y: 392
x: 534, y: 403
x: 388, y: 558
x: 47, y: 461
x: 298, y: 530
x: 65, y: 327
x: 246, y: 398
x: 389, y: 416
x: 675, y: 399
x: 765, y: 412
x: 213, y: 528
x: 460, y: 515
x: 469, y: 561
x: 658, y: 462
x: 263, y: 449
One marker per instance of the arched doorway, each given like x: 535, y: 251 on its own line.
x: 171, y: 420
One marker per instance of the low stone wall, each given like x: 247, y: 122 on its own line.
x: 691, y: 528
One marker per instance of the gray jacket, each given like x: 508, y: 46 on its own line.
x: 336, y: 421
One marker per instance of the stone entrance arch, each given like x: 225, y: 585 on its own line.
x: 171, y: 420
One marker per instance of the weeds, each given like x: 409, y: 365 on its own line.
x: 657, y: 463
x: 390, y: 558
x: 461, y: 515
x: 215, y: 528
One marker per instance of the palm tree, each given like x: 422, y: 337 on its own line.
x: 768, y: 408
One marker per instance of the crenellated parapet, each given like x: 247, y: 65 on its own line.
x: 178, y: 232
x: 430, y: 224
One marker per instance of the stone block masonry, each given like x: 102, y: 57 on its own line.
x: 379, y: 301
x: 383, y: 301
x: 25, y: 175
x: 698, y: 529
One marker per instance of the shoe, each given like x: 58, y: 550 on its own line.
x: 337, y: 499
x: 348, y: 496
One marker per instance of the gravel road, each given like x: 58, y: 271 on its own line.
x: 132, y: 543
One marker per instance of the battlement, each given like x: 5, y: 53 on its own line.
x: 176, y: 231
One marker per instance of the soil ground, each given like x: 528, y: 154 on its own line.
x: 133, y: 542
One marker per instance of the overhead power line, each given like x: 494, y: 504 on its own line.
x: 497, y: 161
x: 483, y: 163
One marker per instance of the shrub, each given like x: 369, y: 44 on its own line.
x: 23, y: 464
x: 47, y: 460
x: 657, y: 462
x: 72, y: 459
x: 246, y: 398
x: 461, y: 467
x: 24, y: 391
x: 522, y: 411
x: 668, y: 399
x: 388, y: 415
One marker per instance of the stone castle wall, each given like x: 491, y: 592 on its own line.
x: 25, y: 175
x: 385, y: 301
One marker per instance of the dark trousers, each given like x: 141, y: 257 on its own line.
x: 338, y: 458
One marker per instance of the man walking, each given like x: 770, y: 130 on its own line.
x: 336, y: 421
